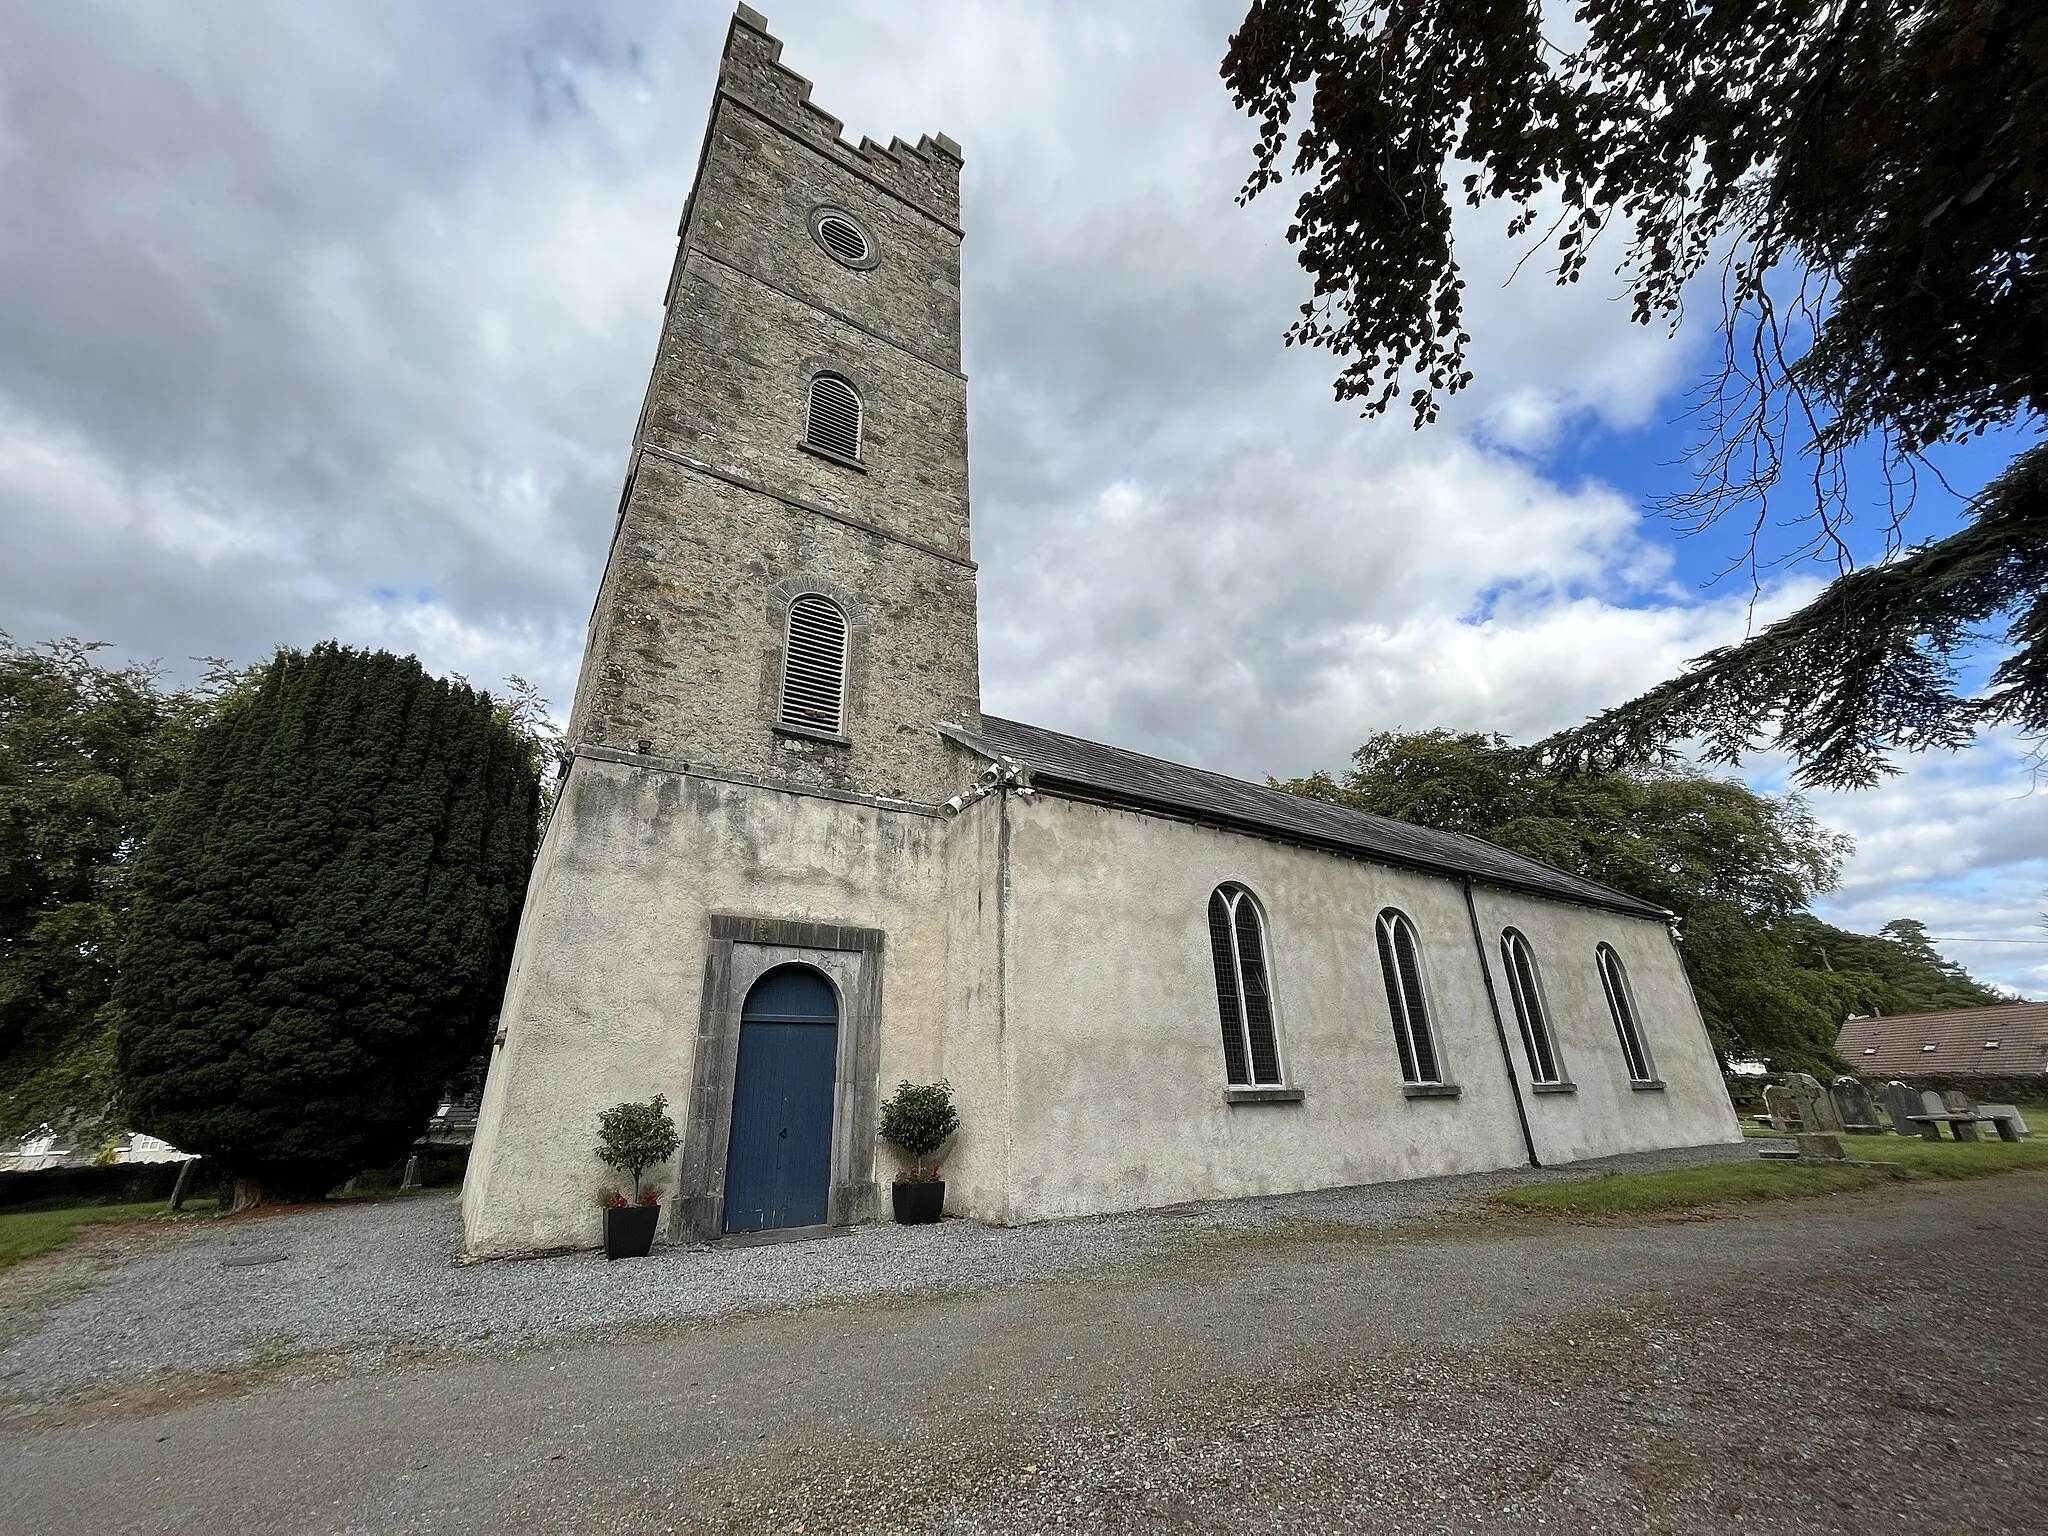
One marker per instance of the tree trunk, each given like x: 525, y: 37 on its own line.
x: 249, y: 1194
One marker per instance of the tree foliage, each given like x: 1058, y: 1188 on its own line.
x: 918, y: 1119
x: 88, y: 755
x: 1774, y: 983
x: 325, y: 917
x: 1872, y: 176
x: 1918, y: 978
x: 635, y: 1137
x: 1868, y: 665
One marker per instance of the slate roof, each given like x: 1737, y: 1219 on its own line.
x: 1090, y: 770
x: 1896, y: 1044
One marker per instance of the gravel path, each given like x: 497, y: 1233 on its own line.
x: 372, y: 1279
x: 1867, y: 1362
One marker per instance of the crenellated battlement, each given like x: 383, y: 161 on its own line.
x: 752, y: 73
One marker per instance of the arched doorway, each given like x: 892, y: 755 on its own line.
x: 778, y: 1168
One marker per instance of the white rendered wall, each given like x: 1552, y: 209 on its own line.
x: 1604, y: 1114
x: 1116, y: 1065
x: 1051, y: 959
x: 603, y: 1003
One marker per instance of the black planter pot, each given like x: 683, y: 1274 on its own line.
x: 921, y: 1202
x: 629, y: 1230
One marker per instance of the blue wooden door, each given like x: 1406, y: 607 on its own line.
x: 778, y: 1167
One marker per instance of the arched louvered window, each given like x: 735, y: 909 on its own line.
x: 1530, y: 1013
x: 1244, y: 989
x: 833, y: 423
x: 1621, y: 1003
x: 814, y: 666
x: 1401, y: 964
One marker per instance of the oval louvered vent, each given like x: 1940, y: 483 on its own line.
x: 843, y: 238
x: 834, y: 420
x: 814, y: 666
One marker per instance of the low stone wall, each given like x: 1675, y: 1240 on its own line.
x: 115, y: 1184
x: 2015, y: 1088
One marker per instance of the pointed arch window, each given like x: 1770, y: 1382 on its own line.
x: 814, y: 666
x: 1526, y: 992
x: 1401, y: 965
x: 1244, y: 989
x: 832, y: 424
x: 1621, y: 1003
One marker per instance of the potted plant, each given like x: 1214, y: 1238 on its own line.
x: 918, y: 1120
x: 633, y: 1138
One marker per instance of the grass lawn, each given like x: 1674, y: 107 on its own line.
x: 1733, y: 1183
x: 24, y: 1234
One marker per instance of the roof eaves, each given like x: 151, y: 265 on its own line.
x: 1115, y: 794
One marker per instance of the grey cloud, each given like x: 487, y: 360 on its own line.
x: 306, y: 304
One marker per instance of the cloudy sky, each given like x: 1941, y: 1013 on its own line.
x: 323, y: 319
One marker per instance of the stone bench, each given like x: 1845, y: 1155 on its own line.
x: 2003, y: 1118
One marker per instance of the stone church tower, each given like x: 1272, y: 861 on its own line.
x: 804, y: 435
x: 786, y: 621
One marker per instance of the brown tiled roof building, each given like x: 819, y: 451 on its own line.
x: 2002, y: 1040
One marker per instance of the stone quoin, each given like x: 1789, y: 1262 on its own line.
x: 1146, y: 983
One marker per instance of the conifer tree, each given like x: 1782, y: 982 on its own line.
x: 325, y: 919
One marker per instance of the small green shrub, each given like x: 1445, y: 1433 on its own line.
x: 634, y: 1137
x: 918, y: 1120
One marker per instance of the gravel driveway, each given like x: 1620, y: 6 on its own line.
x: 1866, y: 1362
x: 368, y: 1279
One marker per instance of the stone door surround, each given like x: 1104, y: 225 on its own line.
x: 741, y: 951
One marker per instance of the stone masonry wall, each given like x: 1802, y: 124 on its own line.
x: 727, y: 514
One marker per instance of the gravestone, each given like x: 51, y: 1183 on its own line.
x: 1816, y: 1109
x: 1821, y: 1147
x: 1902, y: 1103
x: 1854, y: 1107
x: 1783, y: 1108
x: 1959, y: 1103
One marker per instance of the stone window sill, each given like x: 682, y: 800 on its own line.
x: 1431, y: 1090
x: 1263, y: 1095
x: 808, y: 733
x: 1650, y: 1085
x: 1553, y: 1087
x: 830, y: 457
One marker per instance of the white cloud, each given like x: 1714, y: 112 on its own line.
x: 1959, y: 842
x: 335, y: 321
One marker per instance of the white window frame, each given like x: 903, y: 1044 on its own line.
x: 1537, y: 1005
x: 1386, y: 930
x: 1627, y: 1017
x: 1236, y: 895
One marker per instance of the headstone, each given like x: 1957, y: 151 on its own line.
x: 1816, y: 1109
x: 412, y: 1174
x: 1821, y: 1147
x: 1783, y: 1107
x: 1852, y: 1103
x: 1902, y: 1103
x: 1960, y: 1103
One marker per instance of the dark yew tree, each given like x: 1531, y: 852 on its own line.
x: 325, y: 919
x: 1774, y: 983
x: 1872, y: 176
